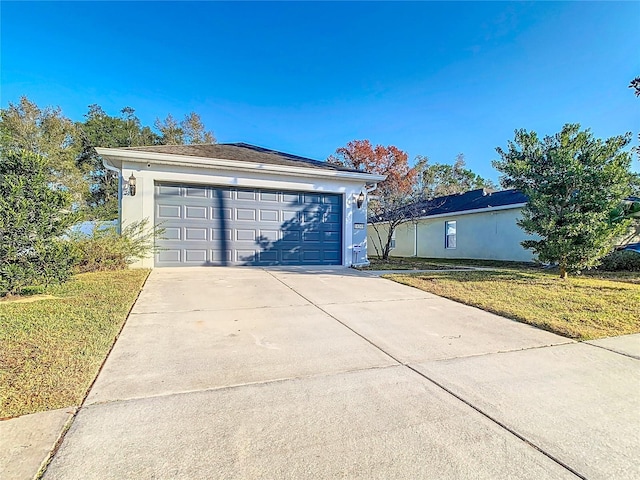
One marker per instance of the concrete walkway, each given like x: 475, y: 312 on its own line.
x: 329, y: 372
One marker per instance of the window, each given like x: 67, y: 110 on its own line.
x: 393, y: 241
x: 450, y: 234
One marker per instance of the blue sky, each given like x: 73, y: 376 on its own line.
x: 432, y: 78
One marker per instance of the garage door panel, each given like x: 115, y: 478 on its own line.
x: 244, y: 235
x: 168, y: 191
x: 269, y: 235
x: 220, y: 234
x: 269, y: 197
x: 269, y: 215
x: 246, y: 195
x: 331, y: 256
x: 173, y: 233
x: 169, y: 211
x: 245, y: 214
x: 220, y: 256
x: 195, y: 233
x: 170, y: 256
x: 227, y: 226
x: 221, y: 213
x: 269, y: 256
x: 197, y: 257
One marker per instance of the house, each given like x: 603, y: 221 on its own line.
x: 239, y: 204
x: 479, y: 224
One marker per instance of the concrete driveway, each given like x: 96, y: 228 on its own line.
x: 333, y: 373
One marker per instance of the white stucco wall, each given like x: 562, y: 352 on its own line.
x: 142, y: 205
x: 491, y: 235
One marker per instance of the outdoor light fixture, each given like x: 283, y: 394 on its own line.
x: 132, y: 185
x: 360, y: 200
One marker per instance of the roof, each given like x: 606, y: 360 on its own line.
x: 467, y: 202
x: 472, y: 200
x: 242, y: 152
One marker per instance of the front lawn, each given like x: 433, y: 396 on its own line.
x: 51, y: 346
x: 582, y: 308
x: 419, y: 263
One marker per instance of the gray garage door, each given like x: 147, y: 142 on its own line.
x: 226, y: 226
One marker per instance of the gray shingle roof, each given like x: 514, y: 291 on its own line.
x: 463, y: 202
x: 473, y: 200
x: 242, y: 152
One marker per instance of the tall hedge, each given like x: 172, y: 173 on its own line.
x: 34, y: 217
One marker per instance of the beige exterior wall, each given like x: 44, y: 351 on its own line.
x: 488, y: 235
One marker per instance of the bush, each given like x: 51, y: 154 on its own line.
x: 106, y: 249
x: 621, y: 260
x: 34, y: 216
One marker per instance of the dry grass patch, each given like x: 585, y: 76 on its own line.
x: 581, y: 308
x: 51, y: 349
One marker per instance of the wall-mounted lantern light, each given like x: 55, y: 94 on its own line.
x: 132, y: 185
x: 360, y: 200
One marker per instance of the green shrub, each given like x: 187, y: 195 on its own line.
x: 621, y: 260
x: 34, y: 215
x: 106, y: 249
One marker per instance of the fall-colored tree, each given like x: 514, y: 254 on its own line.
x: 393, y: 196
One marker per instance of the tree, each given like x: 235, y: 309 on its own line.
x: 189, y: 131
x: 33, y: 217
x: 48, y: 133
x: 394, y: 195
x: 102, y: 130
x: 194, y: 130
x: 635, y: 84
x: 171, y: 133
x: 574, y: 182
x: 439, y: 179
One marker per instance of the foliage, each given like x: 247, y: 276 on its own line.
x: 69, y: 148
x: 635, y: 84
x: 100, y: 129
x: 394, y: 195
x: 621, y: 260
x: 34, y: 215
x: 573, y: 182
x: 52, y: 346
x: 190, y: 130
x: 195, y: 131
x: 106, y: 249
x: 48, y: 133
x: 581, y: 308
x: 438, y: 179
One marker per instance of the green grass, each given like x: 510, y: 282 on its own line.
x: 51, y: 348
x: 582, y: 308
x: 417, y: 263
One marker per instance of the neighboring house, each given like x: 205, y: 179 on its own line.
x: 238, y: 204
x: 480, y: 224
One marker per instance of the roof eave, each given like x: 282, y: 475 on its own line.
x: 116, y: 156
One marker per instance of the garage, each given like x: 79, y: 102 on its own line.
x: 206, y: 225
x: 235, y: 204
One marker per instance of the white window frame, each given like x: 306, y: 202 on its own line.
x: 448, y: 244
